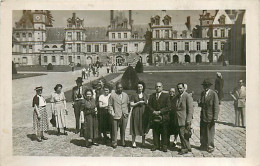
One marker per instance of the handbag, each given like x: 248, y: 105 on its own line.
x: 53, y: 120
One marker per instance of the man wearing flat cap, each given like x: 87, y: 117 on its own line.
x: 209, y: 104
x: 77, y: 97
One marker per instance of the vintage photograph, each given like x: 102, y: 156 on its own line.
x: 129, y: 83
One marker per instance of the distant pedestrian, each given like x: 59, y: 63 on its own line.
x: 108, y: 68
x: 93, y: 70
x: 97, y: 71
x: 88, y: 72
x: 90, y: 119
x: 219, y: 85
x: 112, y: 68
x: 239, y: 96
x: 40, y: 117
x: 83, y: 73
x: 209, y: 114
x: 59, y: 108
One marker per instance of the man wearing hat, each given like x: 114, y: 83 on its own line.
x: 77, y: 97
x: 209, y: 104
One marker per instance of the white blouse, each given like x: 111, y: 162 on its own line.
x: 103, y: 100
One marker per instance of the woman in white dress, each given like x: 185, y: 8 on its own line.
x: 59, y: 108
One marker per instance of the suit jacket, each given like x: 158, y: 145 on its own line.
x: 240, y: 94
x: 119, y: 106
x: 159, y: 105
x: 75, y: 92
x: 209, y: 106
x: 184, y: 108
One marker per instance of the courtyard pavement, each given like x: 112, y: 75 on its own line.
x: 229, y: 141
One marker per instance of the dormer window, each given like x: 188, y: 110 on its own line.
x: 175, y: 34
x: 157, y: 20
x: 222, y: 19
x: 125, y: 24
x: 166, y: 22
x: 184, y: 34
x: 135, y: 35
x: 78, y: 24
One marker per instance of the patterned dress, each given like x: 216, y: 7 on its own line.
x: 59, y: 107
x: 41, y: 124
x: 90, y: 119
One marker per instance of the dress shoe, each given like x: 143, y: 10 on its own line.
x: 88, y: 146
x: 183, y: 151
x: 154, y: 149
x: 114, y: 146
x: 164, y: 149
x: 44, y: 138
x: 189, y: 150
x: 38, y: 139
x: 203, y: 148
x: 96, y: 144
x: 134, y: 145
x: 210, y: 150
x: 65, y: 133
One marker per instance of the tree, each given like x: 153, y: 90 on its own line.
x: 14, y: 71
x: 50, y: 19
x: 139, y: 67
x: 130, y: 79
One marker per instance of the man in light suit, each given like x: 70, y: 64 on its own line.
x: 209, y: 104
x: 158, y: 105
x: 77, y: 97
x: 119, y: 108
x: 184, y: 111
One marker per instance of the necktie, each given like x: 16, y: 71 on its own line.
x: 79, y: 91
x: 157, y: 96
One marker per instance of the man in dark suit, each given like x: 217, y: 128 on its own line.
x: 184, y: 111
x: 77, y: 97
x: 209, y: 104
x: 160, y: 117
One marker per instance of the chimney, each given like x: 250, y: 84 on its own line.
x: 188, y: 22
x: 204, y: 12
x: 130, y: 17
x: 111, y: 15
x: 163, y: 13
x: 73, y: 15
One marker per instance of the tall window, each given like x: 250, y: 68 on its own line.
x: 17, y: 35
x: 78, y: 47
x: 216, y: 32
x: 69, y: 36
x: 88, y: 48
x: 30, y: 34
x: 24, y: 35
x: 24, y: 48
x: 166, y: 22
x: 222, y: 32
x: 78, y: 36
x: 78, y: 24
x: 166, y: 35
x: 186, y: 46
x: 157, y: 46
x: 53, y: 59
x: 119, y: 35
x: 96, y: 48
x: 222, y: 19
x: 70, y: 48
x: 70, y: 58
x: 45, y: 59
x: 125, y: 48
x: 104, y: 48
x: 113, y: 48
x: 30, y: 48
x: 222, y: 45
x: 207, y: 45
x: 157, y: 34
x: 216, y: 46
x: 166, y: 46
x: 113, y: 35
x: 198, y: 46
x: 125, y: 35
x: 175, y: 46
x: 136, y: 45
x: 135, y: 35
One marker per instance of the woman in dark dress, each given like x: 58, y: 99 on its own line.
x: 139, y: 117
x: 173, y: 125
x: 90, y: 118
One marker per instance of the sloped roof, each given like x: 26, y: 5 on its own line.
x: 26, y: 18
x: 96, y: 34
x: 140, y: 29
x: 55, y: 35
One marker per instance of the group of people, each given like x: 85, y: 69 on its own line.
x: 102, y: 111
x: 85, y: 72
x: 112, y: 68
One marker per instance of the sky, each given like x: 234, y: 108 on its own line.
x: 94, y: 18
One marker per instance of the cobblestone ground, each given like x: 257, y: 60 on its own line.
x: 229, y: 141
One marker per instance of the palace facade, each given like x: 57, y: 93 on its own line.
x: 36, y: 42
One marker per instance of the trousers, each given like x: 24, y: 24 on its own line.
x: 121, y: 123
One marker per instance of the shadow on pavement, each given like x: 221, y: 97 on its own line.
x: 32, y: 137
x: 226, y: 123
x: 52, y: 132
x: 73, y: 130
x: 79, y: 142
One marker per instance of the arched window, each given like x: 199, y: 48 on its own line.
x: 17, y: 35
x: 187, y: 58
x: 198, y: 58
x: 30, y: 34
x: 46, y: 46
x: 54, y: 46
x: 222, y: 19
x: 175, y: 59
x: 23, y: 34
